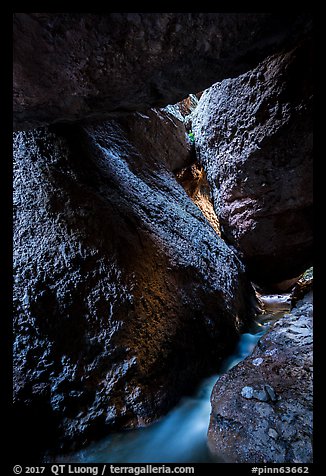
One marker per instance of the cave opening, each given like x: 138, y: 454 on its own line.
x: 163, y: 238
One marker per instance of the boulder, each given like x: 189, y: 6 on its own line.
x: 124, y: 296
x: 69, y: 66
x: 253, y: 136
x: 262, y: 408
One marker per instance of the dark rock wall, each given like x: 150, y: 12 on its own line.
x: 254, y: 138
x: 69, y: 66
x: 124, y: 295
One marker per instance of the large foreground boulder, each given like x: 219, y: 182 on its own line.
x: 124, y: 294
x: 262, y: 408
x: 254, y: 138
x: 70, y: 66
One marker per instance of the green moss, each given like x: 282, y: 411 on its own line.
x: 191, y: 136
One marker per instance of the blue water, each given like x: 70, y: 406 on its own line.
x: 181, y: 435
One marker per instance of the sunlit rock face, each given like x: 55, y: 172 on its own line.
x: 193, y: 179
x: 262, y: 408
x: 253, y: 136
x: 71, y: 66
x: 124, y: 294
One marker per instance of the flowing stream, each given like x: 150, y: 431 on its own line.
x: 181, y: 435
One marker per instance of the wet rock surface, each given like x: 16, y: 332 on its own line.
x: 69, y: 66
x: 262, y: 408
x: 253, y: 136
x: 124, y: 295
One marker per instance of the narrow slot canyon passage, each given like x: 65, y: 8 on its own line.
x: 180, y: 436
x: 162, y: 258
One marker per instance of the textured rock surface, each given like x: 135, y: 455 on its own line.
x: 182, y: 109
x: 254, y: 137
x: 124, y: 295
x: 193, y: 179
x: 262, y: 408
x: 160, y: 134
x: 68, y: 66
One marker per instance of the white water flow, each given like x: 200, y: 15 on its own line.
x: 181, y: 435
